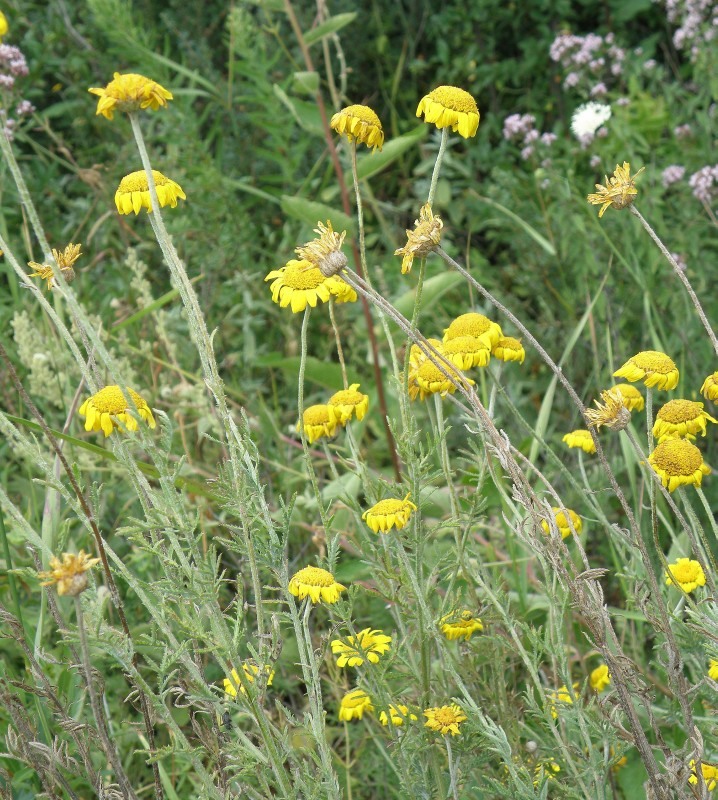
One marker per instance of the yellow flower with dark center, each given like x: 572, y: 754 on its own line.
x: 354, y: 704
x: 133, y: 193
x: 416, y: 359
x: 445, y: 719
x: 64, y: 259
x: 422, y: 240
x: 713, y: 669
x: 686, y: 573
x: 251, y: 670
x: 317, y: 584
x: 367, y: 644
x: 710, y: 774
x: 619, y: 192
x: 450, y: 106
x: 560, y: 695
x: 299, y: 283
x: 613, y: 413
x: 509, y: 349
x: 68, y: 574
x: 600, y: 678
x: 106, y: 409
x: 398, y: 713
x: 476, y: 325
x: 580, y: 438
x: 360, y: 123
x: 709, y: 390
x: 348, y: 403
x: 678, y: 462
x: 130, y: 92
x: 3, y: 25
x: 562, y: 523
x: 432, y: 380
x: 681, y: 418
x: 388, y: 514
x: 325, y: 253
x: 318, y: 421
x: 652, y: 367
x: 460, y: 625
x: 466, y: 352
x: 630, y: 396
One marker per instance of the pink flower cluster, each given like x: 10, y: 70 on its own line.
x: 704, y: 184
x: 12, y: 65
x: 696, y: 21
x: 522, y: 128
x: 672, y: 174
x: 588, y: 61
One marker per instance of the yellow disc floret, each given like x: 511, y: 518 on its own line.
x: 449, y: 106
x: 317, y: 584
x: 360, y: 123
x: 108, y: 409
x: 476, y: 325
x: 652, y: 367
x: 133, y: 193
x: 681, y: 418
x: 130, y: 92
x: 678, y: 462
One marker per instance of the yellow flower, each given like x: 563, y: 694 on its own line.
x: 710, y: 774
x: 69, y: 573
x: 388, y: 514
x: 299, y: 283
x: 545, y: 771
x: 477, y: 325
x: 367, y: 644
x: 3, y: 25
x: 620, y: 190
x: 422, y: 240
x: 348, y: 403
x: 416, y: 359
x: 713, y: 669
x: 319, y: 421
x: 251, y: 670
x: 449, y: 106
x: 432, y: 380
x: 460, y: 624
x: 562, y: 523
x: 360, y: 123
x: 325, y: 253
x: 681, y: 418
x: 445, y: 719
x: 133, y: 193
x: 129, y: 93
x: 64, y: 259
x: 580, y: 438
x: 600, y: 678
x: 678, y: 463
x: 467, y: 352
x: 652, y: 367
x: 630, y: 396
x: 398, y: 713
x: 686, y: 573
x: 509, y: 349
x: 709, y: 390
x: 316, y: 583
x: 106, y: 409
x: 354, y: 704
x: 614, y: 413
x: 560, y: 695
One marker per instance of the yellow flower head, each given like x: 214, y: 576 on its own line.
x: 619, y: 192
x: 686, y: 573
x: 613, y: 413
x: 354, y: 704
x: 129, y: 93
x: 560, y: 695
x: 106, y: 409
x: 64, y: 259
x: 133, y: 193
x: 422, y: 240
x: 509, y: 349
x: 3, y: 25
x: 460, y: 624
x: 318, y: 421
x: 69, y: 573
x: 250, y: 670
x: 360, y: 123
x: 476, y: 325
x: 348, y: 403
x: 325, y: 253
x: 652, y: 367
x: 299, y: 283
x: 709, y: 390
x: 467, y: 352
x: 600, y: 678
x: 416, y: 359
x: 388, y: 514
x: 580, y: 438
x: 445, y: 719
x: 432, y: 380
x: 545, y: 771
x: 398, y: 713
x: 367, y: 644
x: 316, y: 583
x: 678, y: 462
x: 681, y: 418
x: 710, y: 774
x: 630, y: 396
x: 713, y: 669
x: 449, y: 106
x: 562, y: 523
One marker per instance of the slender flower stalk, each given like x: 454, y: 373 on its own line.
x: 338, y: 340
x: 437, y: 165
x: 453, y: 788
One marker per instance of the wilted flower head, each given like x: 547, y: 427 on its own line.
x: 424, y: 238
x: 68, y: 574
x: 620, y: 189
x: 130, y: 92
x: 64, y: 260
x: 613, y: 413
x: 325, y: 253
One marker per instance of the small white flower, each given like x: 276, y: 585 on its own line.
x: 588, y: 118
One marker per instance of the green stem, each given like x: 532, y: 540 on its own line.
x: 452, y: 766
x: 338, y: 340
x: 8, y: 571
x: 437, y: 165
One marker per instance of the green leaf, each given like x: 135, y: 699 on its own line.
x: 161, y: 301
x: 532, y: 232
x: 311, y: 212
x: 372, y: 163
x: 307, y: 81
x: 324, y: 373
x: 434, y: 288
x: 332, y: 25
